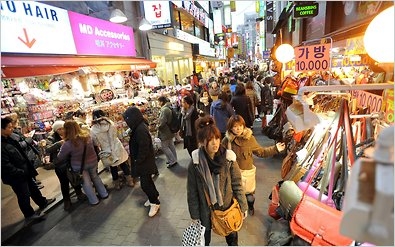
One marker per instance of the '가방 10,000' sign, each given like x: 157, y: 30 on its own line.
x: 312, y: 57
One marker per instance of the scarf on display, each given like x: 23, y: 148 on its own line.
x: 186, y: 121
x: 209, y: 169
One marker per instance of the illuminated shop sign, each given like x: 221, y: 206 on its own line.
x: 158, y: 13
x: 198, y: 13
x: 35, y: 28
x: 305, y: 10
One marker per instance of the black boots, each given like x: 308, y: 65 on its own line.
x: 250, y: 202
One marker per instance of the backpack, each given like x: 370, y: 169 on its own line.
x: 175, y: 123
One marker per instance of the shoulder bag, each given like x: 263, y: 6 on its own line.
x: 75, y: 177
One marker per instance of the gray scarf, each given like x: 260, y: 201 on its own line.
x: 186, y: 121
x: 212, y: 180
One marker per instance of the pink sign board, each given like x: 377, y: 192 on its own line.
x: 98, y: 37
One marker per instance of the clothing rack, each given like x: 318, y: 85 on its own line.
x: 373, y: 86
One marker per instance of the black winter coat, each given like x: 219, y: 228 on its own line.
x: 242, y: 105
x: 15, y: 166
x: 141, y: 148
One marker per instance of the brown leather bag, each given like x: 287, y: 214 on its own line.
x: 225, y: 222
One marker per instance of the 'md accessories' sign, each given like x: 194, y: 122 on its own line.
x: 305, y: 10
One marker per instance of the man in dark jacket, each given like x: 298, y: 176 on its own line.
x: 18, y: 172
x: 142, y: 154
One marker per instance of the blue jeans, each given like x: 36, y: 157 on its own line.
x: 90, y: 175
x: 169, y: 149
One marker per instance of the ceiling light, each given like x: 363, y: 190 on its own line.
x: 117, y: 16
x: 145, y: 25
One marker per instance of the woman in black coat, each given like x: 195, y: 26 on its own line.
x: 189, y: 116
x: 243, y: 105
x: 141, y: 151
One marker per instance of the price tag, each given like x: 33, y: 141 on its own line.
x: 312, y: 58
x: 373, y: 101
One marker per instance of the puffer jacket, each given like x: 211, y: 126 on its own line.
x: 230, y: 185
x: 15, y: 166
x: 104, y: 135
x: 221, y: 114
x: 245, y: 146
x: 165, y: 117
x: 140, y: 143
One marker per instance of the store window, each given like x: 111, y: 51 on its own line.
x: 187, y: 23
x: 176, y: 18
x: 199, y: 31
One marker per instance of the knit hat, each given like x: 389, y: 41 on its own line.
x: 98, y: 114
x: 57, y: 125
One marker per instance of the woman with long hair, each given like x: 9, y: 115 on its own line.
x: 76, y: 140
x: 189, y: 116
x: 240, y: 139
x: 215, y: 168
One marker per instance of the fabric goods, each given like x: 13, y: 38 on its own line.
x: 318, y: 224
x: 249, y: 180
x: 225, y: 222
x: 193, y: 235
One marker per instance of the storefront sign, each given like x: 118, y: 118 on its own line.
x: 174, y: 46
x: 305, y: 10
x: 374, y: 102
x: 312, y: 57
x: 98, y: 37
x: 35, y: 28
x: 388, y: 106
x: 269, y: 16
x: 204, y: 46
x: 158, y: 13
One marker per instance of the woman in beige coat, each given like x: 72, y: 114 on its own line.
x: 240, y: 139
x: 104, y: 135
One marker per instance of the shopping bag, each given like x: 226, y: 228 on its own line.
x: 193, y: 235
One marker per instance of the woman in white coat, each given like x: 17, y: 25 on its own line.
x: 104, y: 135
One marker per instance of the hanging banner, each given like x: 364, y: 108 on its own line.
x: 312, y: 58
x: 269, y: 16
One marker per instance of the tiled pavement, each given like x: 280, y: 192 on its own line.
x: 123, y: 220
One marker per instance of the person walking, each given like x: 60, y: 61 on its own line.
x: 243, y: 105
x: 104, y: 135
x: 52, y: 147
x: 76, y: 140
x: 215, y: 168
x: 189, y: 116
x: 143, y: 156
x: 240, y: 139
x: 18, y: 172
x: 221, y: 111
x: 164, y: 133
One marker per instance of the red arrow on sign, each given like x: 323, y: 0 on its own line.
x: 27, y: 42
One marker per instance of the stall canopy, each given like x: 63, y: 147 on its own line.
x: 27, y: 66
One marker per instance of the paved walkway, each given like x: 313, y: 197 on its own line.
x: 123, y: 220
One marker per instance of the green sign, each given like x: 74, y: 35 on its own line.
x: 305, y: 10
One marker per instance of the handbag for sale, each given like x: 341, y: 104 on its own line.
x: 289, y: 197
x: 75, y: 177
x: 318, y: 223
x: 225, y: 222
x: 194, y: 235
x: 275, y: 202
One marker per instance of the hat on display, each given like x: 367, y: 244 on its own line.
x: 98, y: 114
x: 57, y: 125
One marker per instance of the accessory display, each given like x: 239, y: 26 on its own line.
x: 193, y: 235
x: 75, y: 177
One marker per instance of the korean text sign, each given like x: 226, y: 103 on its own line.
x: 312, y: 58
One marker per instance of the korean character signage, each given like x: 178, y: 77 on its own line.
x: 158, y: 13
x: 312, y: 57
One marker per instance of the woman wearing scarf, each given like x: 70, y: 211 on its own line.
x: 240, y: 139
x: 189, y: 116
x: 213, y: 168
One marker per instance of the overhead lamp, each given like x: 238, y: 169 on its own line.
x: 145, y: 25
x: 284, y: 53
x: 117, y: 16
x: 379, y: 37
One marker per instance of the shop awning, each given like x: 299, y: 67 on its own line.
x: 26, y: 66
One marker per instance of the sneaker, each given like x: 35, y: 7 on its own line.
x: 171, y: 165
x: 49, y: 201
x: 147, y: 203
x: 153, y: 210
